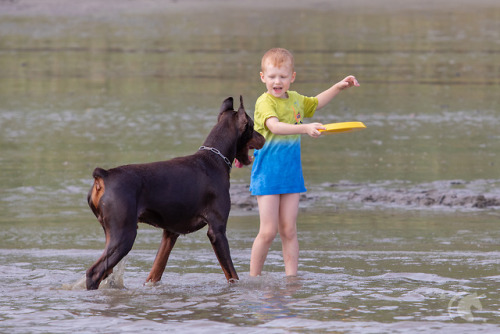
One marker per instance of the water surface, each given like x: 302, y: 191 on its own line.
x: 81, y: 89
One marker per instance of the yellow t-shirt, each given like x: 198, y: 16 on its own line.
x: 277, y: 168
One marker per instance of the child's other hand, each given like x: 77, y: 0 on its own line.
x: 347, y: 82
x: 312, y: 129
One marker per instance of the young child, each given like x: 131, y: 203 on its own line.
x: 277, y: 178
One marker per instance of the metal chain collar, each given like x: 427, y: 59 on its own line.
x: 216, y: 151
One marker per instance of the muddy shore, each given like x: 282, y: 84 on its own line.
x: 439, y: 195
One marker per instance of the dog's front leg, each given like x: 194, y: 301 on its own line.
x: 221, y: 248
x: 167, y: 243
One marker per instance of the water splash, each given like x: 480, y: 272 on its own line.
x: 113, y: 281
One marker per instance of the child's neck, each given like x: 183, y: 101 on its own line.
x: 284, y: 96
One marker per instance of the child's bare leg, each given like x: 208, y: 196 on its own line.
x: 289, y: 208
x: 269, y: 218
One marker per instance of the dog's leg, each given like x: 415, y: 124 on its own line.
x: 120, y: 236
x: 221, y: 248
x: 167, y: 243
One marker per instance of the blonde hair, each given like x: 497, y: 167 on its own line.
x: 277, y: 57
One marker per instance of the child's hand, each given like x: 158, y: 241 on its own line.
x: 348, y: 82
x: 312, y: 129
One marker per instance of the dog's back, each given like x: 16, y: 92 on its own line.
x: 173, y: 194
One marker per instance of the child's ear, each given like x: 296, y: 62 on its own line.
x: 293, y: 77
x: 262, y: 77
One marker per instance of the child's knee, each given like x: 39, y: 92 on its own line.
x: 288, y: 233
x: 267, y: 236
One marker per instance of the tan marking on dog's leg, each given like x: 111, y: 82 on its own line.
x: 167, y: 243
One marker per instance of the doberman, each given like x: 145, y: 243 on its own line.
x: 180, y: 196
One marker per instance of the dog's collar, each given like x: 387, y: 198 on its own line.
x: 216, y: 151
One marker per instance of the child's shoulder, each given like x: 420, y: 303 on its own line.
x: 265, y: 99
x: 294, y: 95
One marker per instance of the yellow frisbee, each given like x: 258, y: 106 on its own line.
x: 342, y: 127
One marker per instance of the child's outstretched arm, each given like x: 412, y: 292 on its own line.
x: 329, y: 94
x: 280, y: 128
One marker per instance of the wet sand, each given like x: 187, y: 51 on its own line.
x: 439, y: 195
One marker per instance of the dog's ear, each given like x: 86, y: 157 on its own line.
x: 242, y: 116
x: 241, y: 104
x: 227, y: 104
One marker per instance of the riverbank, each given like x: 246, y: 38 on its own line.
x: 99, y: 8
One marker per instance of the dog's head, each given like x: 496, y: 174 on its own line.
x: 247, y: 138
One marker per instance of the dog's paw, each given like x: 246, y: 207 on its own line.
x: 151, y: 284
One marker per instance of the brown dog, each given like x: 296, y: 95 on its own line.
x: 180, y: 196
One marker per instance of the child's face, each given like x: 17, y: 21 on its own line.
x: 278, y: 79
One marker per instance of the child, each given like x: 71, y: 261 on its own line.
x: 277, y: 178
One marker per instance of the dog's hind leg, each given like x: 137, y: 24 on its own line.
x: 167, y: 243
x: 119, y: 241
x: 221, y: 248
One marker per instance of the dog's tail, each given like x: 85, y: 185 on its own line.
x: 97, y: 189
x: 99, y: 173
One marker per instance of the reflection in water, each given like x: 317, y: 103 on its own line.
x: 274, y: 298
x: 82, y: 88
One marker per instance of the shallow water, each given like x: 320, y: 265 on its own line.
x: 391, y: 239
x: 387, y: 272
